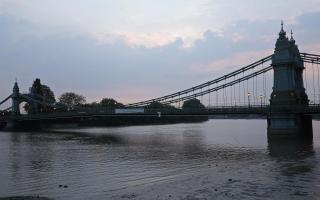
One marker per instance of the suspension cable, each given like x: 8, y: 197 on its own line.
x: 221, y: 87
x: 305, y: 78
x: 247, y: 92
x: 244, y: 91
x: 234, y: 92
x: 173, y: 95
x: 239, y: 93
x: 257, y: 95
x: 217, y: 98
x: 209, y: 97
x: 314, y: 90
x: 6, y: 99
x: 223, y: 97
x: 318, y: 84
x: 264, y: 87
x: 307, y: 58
x: 231, y: 92
x: 225, y: 94
x: 201, y: 97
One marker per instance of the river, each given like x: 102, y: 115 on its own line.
x: 217, y: 159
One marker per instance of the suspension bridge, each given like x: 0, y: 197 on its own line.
x: 284, y: 86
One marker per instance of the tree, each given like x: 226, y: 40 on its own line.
x: 92, y: 104
x: 71, y: 99
x: 111, y: 103
x: 158, y: 105
x: 36, y: 87
x: 44, y: 91
x: 193, y: 104
x: 155, y: 105
x: 49, y: 97
x: 48, y: 93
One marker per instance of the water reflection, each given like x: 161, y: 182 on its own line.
x: 293, y: 154
x: 290, y: 149
x: 30, y: 159
x: 295, y: 164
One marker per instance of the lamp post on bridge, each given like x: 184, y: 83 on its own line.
x: 261, y: 97
x: 249, y: 94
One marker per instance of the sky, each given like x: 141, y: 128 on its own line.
x: 133, y: 50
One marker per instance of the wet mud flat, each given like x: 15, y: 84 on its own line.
x: 25, y: 198
x: 220, y: 182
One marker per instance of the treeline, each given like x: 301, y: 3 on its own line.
x: 68, y: 100
x: 105, y: 102
x: 71, y: 100
x: 188, y: 104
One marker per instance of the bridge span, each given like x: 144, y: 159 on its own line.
x: 284, y: 87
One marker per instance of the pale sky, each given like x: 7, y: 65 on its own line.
x: 132, y: 50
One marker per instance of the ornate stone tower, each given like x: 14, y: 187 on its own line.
x: 288, y: 66
x: 15, y: 100
x: 288, y: 90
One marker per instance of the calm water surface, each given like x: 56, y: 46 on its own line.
x: 218, y: 159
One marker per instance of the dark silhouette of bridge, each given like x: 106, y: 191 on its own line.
x: 289, y: 104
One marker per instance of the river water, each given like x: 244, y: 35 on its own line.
x: 218, y: 159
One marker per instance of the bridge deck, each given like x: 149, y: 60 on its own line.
x: 230, y: 110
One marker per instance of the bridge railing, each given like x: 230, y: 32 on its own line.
x: 254, y: 109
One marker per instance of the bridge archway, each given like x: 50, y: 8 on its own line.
x: 24, y: 107
x: 18, y: 100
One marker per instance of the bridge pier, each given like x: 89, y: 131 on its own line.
x: 18, y: 125
x: 289, y: 126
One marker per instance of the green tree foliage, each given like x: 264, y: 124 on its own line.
x: 110, y: 103
x: 71, y: 99
x: 193, y: 104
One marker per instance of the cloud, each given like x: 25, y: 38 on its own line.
x: 152, y: 23
x: 122, y: 69
x: 233, y: 62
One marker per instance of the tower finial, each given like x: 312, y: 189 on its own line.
x: 282, y: 33
x: 292, y: 39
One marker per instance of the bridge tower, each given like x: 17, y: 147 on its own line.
x: 288, y: 91
x: 15, y: 100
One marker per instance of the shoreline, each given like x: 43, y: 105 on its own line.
x: 106, y: 121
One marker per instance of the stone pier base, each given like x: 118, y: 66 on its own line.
x: 32, y: 125
x: 289, y: 126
